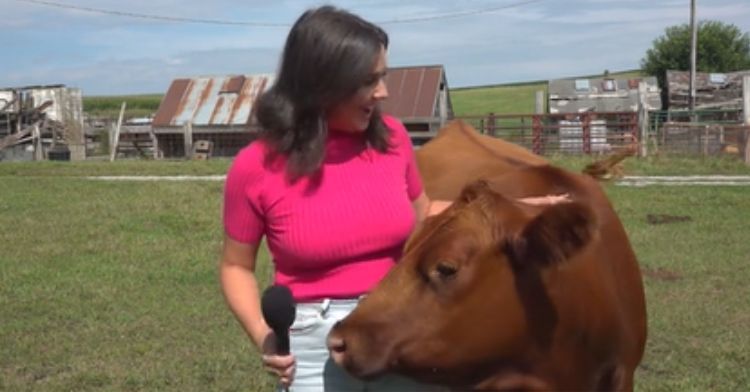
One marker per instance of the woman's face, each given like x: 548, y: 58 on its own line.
x: 354, y: 114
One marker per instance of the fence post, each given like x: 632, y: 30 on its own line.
x: 116, y: 136
x: 188, y: 139
x: 746, y: 115
x: 491, y: 124
x: 643, y: 120
x: 154, y: 143
x: 704, y: 142
x: 443, y: 105
x: 37, y: 137
x: 539, y: 107
x: 536, y: 134
x: 586, y: 130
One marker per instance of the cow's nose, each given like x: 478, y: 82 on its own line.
x: 336, y: 345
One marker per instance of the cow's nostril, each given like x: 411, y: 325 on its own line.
x: 336, y: 344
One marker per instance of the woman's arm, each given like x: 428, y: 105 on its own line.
x: 426, y: 207
x: 240, y: 288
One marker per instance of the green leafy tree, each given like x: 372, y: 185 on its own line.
x: 720, y: 48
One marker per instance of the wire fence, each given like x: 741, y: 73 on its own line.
x: 697, y: 133
x: 581, y: 133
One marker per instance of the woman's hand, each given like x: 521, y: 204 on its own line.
x: 546, y: 200
x: 438, y: 206
x: 281, y: 366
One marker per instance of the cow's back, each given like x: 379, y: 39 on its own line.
x: 459, y: 155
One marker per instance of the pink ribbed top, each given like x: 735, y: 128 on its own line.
x: 335, y: 235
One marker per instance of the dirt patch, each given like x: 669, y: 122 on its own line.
x: 660, y: 219
x: 661, y: 274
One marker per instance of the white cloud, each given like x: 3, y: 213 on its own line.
x: 107, y: 54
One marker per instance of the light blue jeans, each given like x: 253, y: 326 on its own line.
x: 316, y: 371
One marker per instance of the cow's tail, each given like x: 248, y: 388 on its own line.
x: 609, y: 168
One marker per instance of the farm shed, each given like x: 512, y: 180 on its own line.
x: 601, y: 94
x: 712, y: 90
x: 596, y: 109
x: 419, y: 97
x: 40, y: 122
x: 217, y: 109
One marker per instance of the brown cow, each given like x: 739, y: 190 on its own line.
x: 500, y: 295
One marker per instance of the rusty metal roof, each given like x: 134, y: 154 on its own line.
x: 211, y: 100
x: 413, y: 91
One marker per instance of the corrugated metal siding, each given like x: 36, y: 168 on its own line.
x: 413, y: 91
x: 211, y: 101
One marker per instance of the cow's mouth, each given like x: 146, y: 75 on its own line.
x: 348, y: 352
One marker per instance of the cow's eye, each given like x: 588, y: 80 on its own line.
x: 446, y: 270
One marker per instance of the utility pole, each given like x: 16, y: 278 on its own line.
x: 693, y: 45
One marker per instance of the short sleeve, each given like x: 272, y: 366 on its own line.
x: 243, y: 216
x: 406, y: 149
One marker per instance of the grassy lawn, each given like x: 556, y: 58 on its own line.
x: 112, y: 285
x: 109, y: 106
x: 512, y: 98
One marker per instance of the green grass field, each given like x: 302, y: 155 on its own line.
x: 112, y: 285
x: 512, y: 98
x: 144, y: 105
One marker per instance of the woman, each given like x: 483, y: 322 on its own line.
x: 333, y: 186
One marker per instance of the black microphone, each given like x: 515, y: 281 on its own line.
x: 278, y: 308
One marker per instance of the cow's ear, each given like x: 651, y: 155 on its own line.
x: 553, y: 236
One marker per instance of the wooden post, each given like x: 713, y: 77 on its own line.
x: 535, y: 122
x: 37, y: 135
x: 704, y: 142
x: 643, y: 119
x: 539, y: 104
x: 188, y: 138
x: 155, y: 144
x: 586, y: 133
x: 443, y: 105
x: 491, y: 124
x: 746, y: 115
x: 116, y: 136
x: 536, y: 134
x: 693, y: 55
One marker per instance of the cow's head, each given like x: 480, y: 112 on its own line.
x: 469, y: 295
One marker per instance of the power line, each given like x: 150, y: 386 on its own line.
x: 459, y: 13
x: 177, y: 19
x: 174, y: 19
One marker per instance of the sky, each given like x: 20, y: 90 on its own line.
x: 480, y: 42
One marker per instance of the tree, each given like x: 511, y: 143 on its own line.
x: 720, y: 48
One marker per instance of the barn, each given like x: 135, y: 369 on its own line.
x: 220, y: 109
x: 420, y: 98
x: 214, y: 109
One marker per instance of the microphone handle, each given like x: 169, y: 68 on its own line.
x: 282, y: 342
